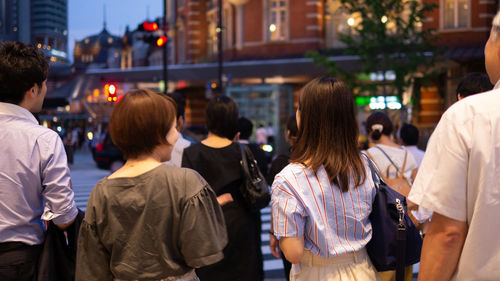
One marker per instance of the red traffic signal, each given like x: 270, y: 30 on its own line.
x: 110, y: 91
x: 161, y: 41
x: 149, y: 26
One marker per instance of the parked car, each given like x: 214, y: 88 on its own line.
x: 106, y: 155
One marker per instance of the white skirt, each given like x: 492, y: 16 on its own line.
x: 348, y: 267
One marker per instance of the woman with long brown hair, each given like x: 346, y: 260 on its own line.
x: 321, y: 201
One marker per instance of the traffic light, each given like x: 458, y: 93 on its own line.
x: 149, y: 26
x: 153, y: 34
x: 158, y: 40
x: 161, y: 41
x: 110, y: 91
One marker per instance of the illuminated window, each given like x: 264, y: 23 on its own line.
x: 276, y: 20
x: 456, y: 14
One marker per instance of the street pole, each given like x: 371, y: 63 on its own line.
x: 219, y: 39
x: 165, y: 48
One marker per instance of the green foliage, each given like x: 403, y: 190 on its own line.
x: 386, y: 35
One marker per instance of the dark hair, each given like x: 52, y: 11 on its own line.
x: 245, y: 127
x: 180, y: 103
x: 328, y: 132
x: 140, y: 122
x: 473, y: 83
x: 21, y: 67
x: 409, y: 134
x: 222, y: 117
x: 378, y: 118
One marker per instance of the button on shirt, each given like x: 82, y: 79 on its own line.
x: 34, y: 177
x: 460, y: 179
x: 308, y: 204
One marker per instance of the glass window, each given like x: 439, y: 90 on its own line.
x: 212, y: 46
x: 227, y: 31
x: 456, y: 14
x: 277, y: 22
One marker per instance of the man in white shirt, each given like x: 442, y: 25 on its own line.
x: 34, y: 175
x: 459, y: 180
x: 176, y: 159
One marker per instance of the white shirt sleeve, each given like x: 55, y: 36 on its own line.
x: 60, y: 206
x: 441, y: 181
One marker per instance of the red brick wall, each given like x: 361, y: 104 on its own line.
x: 254, y: 21
x: 477, y: 33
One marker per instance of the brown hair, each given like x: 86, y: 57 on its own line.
x: 141, y: 121
x: 328, y: 132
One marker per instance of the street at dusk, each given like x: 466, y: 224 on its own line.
x: 249, y: 140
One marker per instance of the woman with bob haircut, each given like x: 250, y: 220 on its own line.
x: 217, y: 158
x: 321, y: 201
x: 148, y: 221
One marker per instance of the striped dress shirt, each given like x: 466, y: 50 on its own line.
x: 332, y: 222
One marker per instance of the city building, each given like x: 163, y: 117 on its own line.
x: 101, y: 50
x: 40, y: 22
x: 264, y: 43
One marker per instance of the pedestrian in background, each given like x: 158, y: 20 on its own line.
x: 277, y: 165
x: 69, y: 147
x: 458, y: 180
x: 473, y: 83
x: 148, y: 221
x: 217, y: 158
x: 409, y: 138
x: 34, y: 176
x: 321, y: 201
x: 392, y: 159
x: 181, y: 143
x: 245, y: 128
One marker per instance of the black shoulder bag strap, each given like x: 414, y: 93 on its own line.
x: 374, y: 171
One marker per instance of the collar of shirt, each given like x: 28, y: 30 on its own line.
x: 497, y: 85
x: 16, y: 110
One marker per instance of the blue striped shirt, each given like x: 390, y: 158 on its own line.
x: 308, y: 204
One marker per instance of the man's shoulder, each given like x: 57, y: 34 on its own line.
x: 28, y: 129
x: 479, y: 104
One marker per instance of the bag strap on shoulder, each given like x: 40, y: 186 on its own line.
x: 387, y: 156
x: 373, y: 169
x: 398, y: 171
x: 244, y: 162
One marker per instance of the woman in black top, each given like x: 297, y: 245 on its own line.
x: 217, y: 159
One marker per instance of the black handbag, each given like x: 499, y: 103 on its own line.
x: 396, y: 241
x: 254, y: 190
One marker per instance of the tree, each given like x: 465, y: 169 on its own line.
x: 385, y: 35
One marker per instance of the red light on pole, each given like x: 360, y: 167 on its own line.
x: 150, y: 26
x: 110, y: 91
x: 161, y: 41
